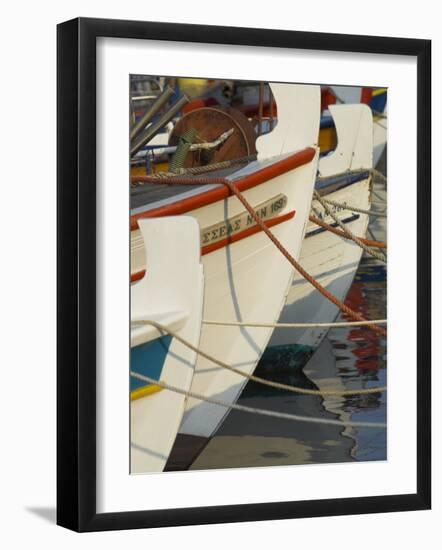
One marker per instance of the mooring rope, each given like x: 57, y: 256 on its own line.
x: 346, y: 230
x: 253, y: 410
x: 254, y: 378
x: 344, y: 324
x: 196, y: 170
x: 326, y: 293
x: 340, y: 233
x: 179, y: 180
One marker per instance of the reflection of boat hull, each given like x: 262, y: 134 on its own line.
x: 323, y: 372
x: 243, y: 442
x: 331, y: 260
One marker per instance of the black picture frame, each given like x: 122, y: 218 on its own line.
x: 76, y: 273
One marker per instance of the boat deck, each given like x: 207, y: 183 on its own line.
x: 151, y: 193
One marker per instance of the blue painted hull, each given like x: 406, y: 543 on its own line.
x: 148, y: 360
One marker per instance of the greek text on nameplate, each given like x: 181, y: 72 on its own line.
x: 266, y: 211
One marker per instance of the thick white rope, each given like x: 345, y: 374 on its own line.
x: 200, y: 170
x: 253, y: 410
x: 295, y: 325
x: 258, y: 379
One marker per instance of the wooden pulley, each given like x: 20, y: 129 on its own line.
x: 210, y: 123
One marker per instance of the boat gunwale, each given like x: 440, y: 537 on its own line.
x: 221, y: 192
x: 331, y: 184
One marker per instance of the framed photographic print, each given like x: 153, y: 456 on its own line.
x: 227, y: 200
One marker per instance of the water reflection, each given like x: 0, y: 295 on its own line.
x: 347, y: 359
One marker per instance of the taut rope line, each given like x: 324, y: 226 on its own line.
x: 344, y: 308
x: 346, y: 230
x: 258, y: 379
x: 344, y: 324
x: 233, y: 189
x: 263, y: 412
x: 340, y: 233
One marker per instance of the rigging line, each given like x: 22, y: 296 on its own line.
x: 254, y: 378
x: 253, y: 410
x: 346, y: 230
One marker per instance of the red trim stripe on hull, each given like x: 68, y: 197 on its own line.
x: 220, y: 193
x: 230, y: 240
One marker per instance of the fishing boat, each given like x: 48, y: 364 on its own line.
x: 176, y: 304
x: 375, y: 98
x: 344, y: 178
x: 246, y: 277
x: 256, y: 102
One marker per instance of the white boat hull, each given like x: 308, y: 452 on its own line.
x: 175, y: 303
x: 380, y: 131
x: 247, y: 280
x: 333, y: 261
x: 248, y: 277
x: 352, y: 95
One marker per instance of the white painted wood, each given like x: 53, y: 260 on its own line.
x: 141, y: 334
x: 352, y: 94
x: 354, y: 150
x: 298, y: 121
x: 249, y: 279
x: 246, y: 280
x: 331, y: 260
x: 171, y: 293
x: 380, y: 133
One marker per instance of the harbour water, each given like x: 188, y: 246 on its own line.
x: 347, y: 359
